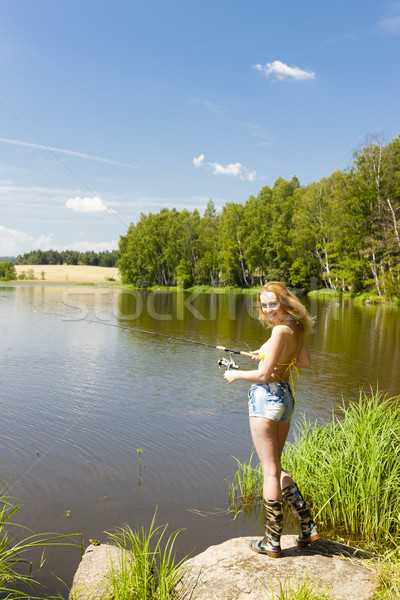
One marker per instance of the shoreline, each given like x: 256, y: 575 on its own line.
x: 87, y: 275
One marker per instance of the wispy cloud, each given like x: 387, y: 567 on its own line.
x: 87, y: 205
x: 390, y: 23
x: 236, y: 169
x: 56, y: 151
x: 12, y: 240
x: 342, y: 37
x: 71, y: 153
x: 212, y: 106
x: 280, y: 70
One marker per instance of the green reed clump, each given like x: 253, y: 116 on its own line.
x: 350, y: 468
x: 246, y: 487
x: 16, y: 580
x: 148, y: 569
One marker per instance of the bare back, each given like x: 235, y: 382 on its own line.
x: 291, y: 342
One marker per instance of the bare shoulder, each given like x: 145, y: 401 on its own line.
x: 281, y: 332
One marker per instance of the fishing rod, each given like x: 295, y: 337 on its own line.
x: 228, y: 363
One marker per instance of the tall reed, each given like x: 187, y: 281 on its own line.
x: 348, y: 470
x: 148, y: 569
x: 246, y: 488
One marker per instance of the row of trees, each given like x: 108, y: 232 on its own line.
x: 342, y: 231
x: 69, y: 257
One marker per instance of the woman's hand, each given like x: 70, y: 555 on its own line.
x: 255, y: 355
x: 231, y: 376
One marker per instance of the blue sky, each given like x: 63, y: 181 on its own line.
x: 110, y: 109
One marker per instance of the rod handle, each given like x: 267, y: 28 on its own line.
x: 234, y: 351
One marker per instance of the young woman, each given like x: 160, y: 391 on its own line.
x: 271, y: 406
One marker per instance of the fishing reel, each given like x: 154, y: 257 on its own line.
x: 227, y: 363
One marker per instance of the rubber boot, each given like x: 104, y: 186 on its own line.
x: 297, y: 505
x: 271, y: 542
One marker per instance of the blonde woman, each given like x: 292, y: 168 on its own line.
x: 271, y: 406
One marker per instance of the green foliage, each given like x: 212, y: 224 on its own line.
x: 148, y: 569
x: 7, y: 271
x: 342, y: 232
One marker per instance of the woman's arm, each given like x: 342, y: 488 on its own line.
x: 266, y: 366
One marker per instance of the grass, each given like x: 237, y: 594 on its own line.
x: 16, y: 580
x: 300, y: 590
x: 387, y: 576
x: 148, y: 569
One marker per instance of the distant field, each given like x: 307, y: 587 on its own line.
x: 70, y: 273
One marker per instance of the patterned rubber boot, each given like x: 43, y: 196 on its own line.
x: 297, y: 505
x: 271, y: 542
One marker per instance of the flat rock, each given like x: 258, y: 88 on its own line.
x: 232, y: 571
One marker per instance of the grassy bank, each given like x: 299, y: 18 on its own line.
x: 364, y: 298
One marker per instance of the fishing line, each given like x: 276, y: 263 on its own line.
x: 149, y: 332
x: 227, y: 364
x: 79, y: 419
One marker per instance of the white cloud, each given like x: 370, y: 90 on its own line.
x: 391, y: 22
x: 281, y: 71
x: 13, y: 242
x: 235, y: 169
x: 230, y: 169
x: 197, y: 161
x: 87, y: 205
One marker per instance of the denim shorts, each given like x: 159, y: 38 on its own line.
x: 272, y: 401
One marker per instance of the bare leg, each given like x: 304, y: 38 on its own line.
x: 264, y: 433
x: 283, y: 430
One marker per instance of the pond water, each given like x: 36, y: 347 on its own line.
x: 103, y: 426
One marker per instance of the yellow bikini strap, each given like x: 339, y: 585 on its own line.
x: 289, y: 367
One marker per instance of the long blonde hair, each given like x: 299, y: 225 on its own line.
x: 290, y: 303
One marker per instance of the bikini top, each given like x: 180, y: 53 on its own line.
x: 289, y: 366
